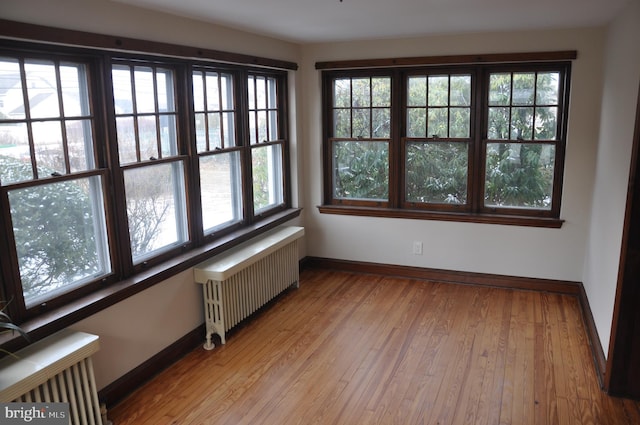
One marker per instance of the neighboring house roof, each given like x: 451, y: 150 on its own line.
x: 11, y: 95
x: 34, y: 101
x: 8, y: 82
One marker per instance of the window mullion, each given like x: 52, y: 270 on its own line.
x: 63, y: 121
x: 396, y: 150
x: 27, y: 118
x: 477, y: 156
x: 157, y: 114
x: 244, y: 141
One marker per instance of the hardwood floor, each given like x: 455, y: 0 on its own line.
x: 351, y: 348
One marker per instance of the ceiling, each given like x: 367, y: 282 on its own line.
x: 310, y: 21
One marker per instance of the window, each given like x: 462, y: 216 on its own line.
x: 219, y: 154
x: 438, y: 142
x: 522, y: 139
x: 470, y: 142
x: 149, y: 156
x: 50, y: 179
x: 113, y: 163
x: 361, y: 115
x: 266, y: 136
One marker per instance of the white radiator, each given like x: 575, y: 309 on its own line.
x: 55, y: 369
x: 238, y: 282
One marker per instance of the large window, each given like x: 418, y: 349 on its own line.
x: 112, y: 164
x: 267, y: 139
x: 438, y: 139
x: 149, y: 157
x: 361, y: 132
x: 219, y: 153
x: 51, y: 182
x: 471, y: 143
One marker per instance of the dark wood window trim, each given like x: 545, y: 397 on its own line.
x: 479, y: 67
x: 442, y: 216
x: 449, y: 60
x: 46, y: 34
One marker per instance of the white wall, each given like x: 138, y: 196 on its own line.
x: 118, y: 19
x: 134, y: 330
x: 620, y: 94
x: 484, y: 248
x: 140, y: 326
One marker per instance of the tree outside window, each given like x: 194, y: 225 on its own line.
x: 475, y: 139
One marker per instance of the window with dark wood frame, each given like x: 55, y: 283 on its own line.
x: 113, y: 164
x: 477, y: 142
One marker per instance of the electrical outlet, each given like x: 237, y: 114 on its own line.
x: 417, y: 247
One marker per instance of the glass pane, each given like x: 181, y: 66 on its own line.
x: 548, y: 88
x: 164, y: 80
x: 201, y: 132
x: 221, y: 190
x: 122, y: 95
x: 500, y: 89
x: 381, y: 91
x: 361, y: 170
x: 75, y: 97
x: 361, y: 123
x: 271, y: 93
x: 268, y: 183
x: 438, y: 122
x: 80, y: 145
x: 229, y: 129
x: 519, y: 175
x: 15, y: 156
x: 226, y: 84
x: 437, y: 172
x: 253, y: 136
x: 168, y: 135
x: 198, y: 91
x: 417, y: 122
x: 521, y: 123
x: 42, y: 88
x: 126, y: 140
x: 361, y: 93
x: 148, y: 136
x: 342, y: 123
x: 460, y: 90
x: 11, y: 97
x: 546, y: 123
x: 438, y: 90
x: 262, y: 127
x: 381, y: 123
x: 215, y: 138
x: 342, y: 93
x: 251, y: 89
x: 47, y: 141
x: 498, y: 123
x: 460, y: 122
x: 155, y: 208
x: 273, y: 125
x: 261, y: 93
x: 523, y: 88
x: 213, y: 93
x: 145, y: 94
x: 60, y: 235
x: 417, y: 95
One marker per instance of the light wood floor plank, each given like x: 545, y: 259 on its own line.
x: 361, y: 349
